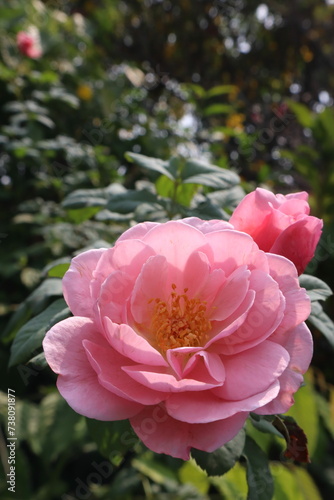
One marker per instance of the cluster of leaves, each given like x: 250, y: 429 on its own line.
x: 179, y: 190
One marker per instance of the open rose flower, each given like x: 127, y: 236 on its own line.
x: 280, y: 224
x: 184, y: 328
x: 28, y: 44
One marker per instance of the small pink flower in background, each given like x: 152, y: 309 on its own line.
x: 184, y: 328
x: 28, y: 44
x: 280, y: 224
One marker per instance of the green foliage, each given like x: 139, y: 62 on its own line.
x: 259, y: 479
x: 293, y: 483
x: 322, y: 322
x: 316, y: 288
x: 180, y: 190
x: 34, y: 303
x: 222, y: 460
x: 29, y: 338
x: 113, y: 439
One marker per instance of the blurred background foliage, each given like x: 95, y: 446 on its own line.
x: 147, y: 110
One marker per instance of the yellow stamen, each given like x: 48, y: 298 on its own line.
x: 179, y: 322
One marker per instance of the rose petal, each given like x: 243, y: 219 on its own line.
x: 204, y: 363
x: 298, y: 242
x: 223, y: 330
x: 301, y: 195
x: 206, y: 226
x: 204, y: 406
x: 131, y: 345
x: 253, y: 215
x: 148, y: 287
x: 78, y: 382
x: 176, y: 242
x: 160, y: 379
x: 295, y: 207
x: 297, y: 302
x: 163, y: 434
x: 114, y: 294
x: 232, y: 249
x: 127, y: 256
x: 262, y: 319
x: 195, y: 281
x: 231, y: 294
x: 138, y: 231
x: 252, y: 371
x: 298, y: 342
x: 107, y: 363
x: 76, y: 282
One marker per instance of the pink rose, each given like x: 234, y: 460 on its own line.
x: 28, y: 44
x: 280, y: 224
x: 184, y: 328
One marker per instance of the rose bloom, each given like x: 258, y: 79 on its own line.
x: 183, y: 327
x: 28, y: 44
x: 280, y: 224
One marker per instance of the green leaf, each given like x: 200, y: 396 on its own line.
x: 92, y: 197
x: 323, y: 129
x: 148, y: 163
x: 326, y: 409
x: 107, y: 215
x: 58, y: 270
x: 212, y: 180
x: 38, y: 362
x: 150, y: 212
x: 302, y: 112
x: 227, y: 198
x: 293, y: 483
x: 113, y: 439
x: 306, y: 484
x: 233, y: 484
x: 200, y: 172
x: 54, y: 265
x: 124, y: 485
x: 183, y: 193
x: 55, y: 428
x: 33, y: 304
x: 322, y: 322
x: 45, y: 120
x: 191, y: 473
x: 285, y: 484
x: 150, y: 467
x: 206, y: 210
x: 220, y: 90
x: 259, y: 478
x: 81, y: 214
x: 218, y: 109
x: 264, y: 439
x: 195, y: 88
x: 220, y: 461
x: 315, y: 287
x: 25, y: 418
x: 124, y: 203
x: 165, y: 187
x: 264, y: 425
x: 30, y: 336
